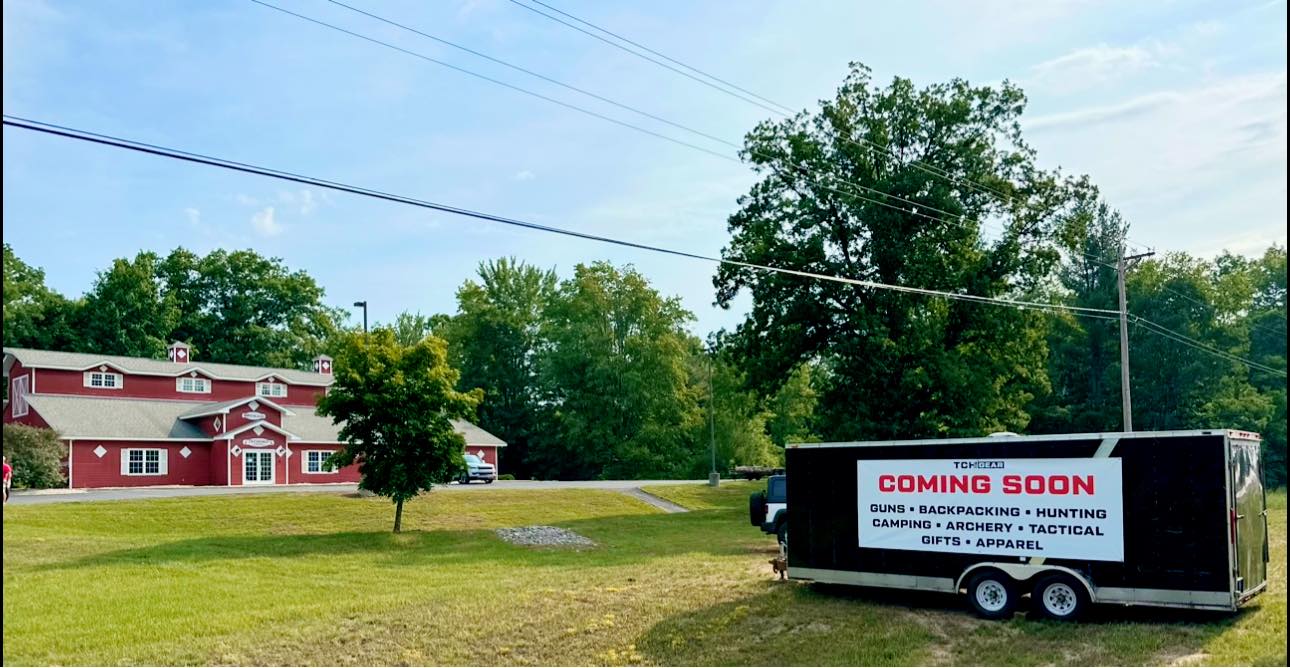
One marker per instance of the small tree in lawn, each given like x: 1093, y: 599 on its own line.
x: 397, y: 404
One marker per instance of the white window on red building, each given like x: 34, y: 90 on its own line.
x: 193, y: 385
x: 143, y: 461
x: 315, y: 461
x: 18, y: 395
x: 271, y: 389
x: 105, y: 380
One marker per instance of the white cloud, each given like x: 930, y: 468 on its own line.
x: 468, y: 7
x: 1094, y: 66
x: 264, y: 223
x: 194, y: 216
x: 1190, y: 167
x: 524, y: 175
x: 303, y: 201
x: 307, y: 203
x: 1251, y: 243
x: 1104, y: 114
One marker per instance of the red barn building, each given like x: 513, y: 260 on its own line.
x: 132, y: 422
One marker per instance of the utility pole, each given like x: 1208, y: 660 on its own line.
x: 714, y: 478
x: 1121, y: 267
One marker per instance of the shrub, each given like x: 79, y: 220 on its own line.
x: 36, y: 456
x: 505, y: 476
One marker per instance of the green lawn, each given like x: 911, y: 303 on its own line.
x: 318, y: 579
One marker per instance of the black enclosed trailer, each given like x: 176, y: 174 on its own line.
x: 1173, y: 518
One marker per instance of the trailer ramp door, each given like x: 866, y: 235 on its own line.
x: 1251, y: 515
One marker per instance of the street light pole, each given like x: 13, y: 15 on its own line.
x: 714, y: 478
x: 364, y: 305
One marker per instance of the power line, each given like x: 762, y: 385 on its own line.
x: 198, y: 158
x: 661, y: 55
x: 1185, y: 340
x: 915, y: 208
x: 927, y: 168
x: 593, y: 35
x: 499, y: 82
x: 161, y: 151
x: 917, y: 164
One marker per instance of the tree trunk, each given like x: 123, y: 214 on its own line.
x: 398, y: 516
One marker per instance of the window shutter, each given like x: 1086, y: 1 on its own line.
x: 304, y: 461
x: 161, y: 461
x: 125, y: 461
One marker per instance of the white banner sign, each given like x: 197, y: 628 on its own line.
x: 1055, y: 508
x: 257, y: 442
x: 253, y: 415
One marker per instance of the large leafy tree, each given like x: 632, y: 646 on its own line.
x: 618, y: 401
x: 34, y: 315
x: 495, y: 340
x: 240, y: 307
x: 127, y: 312
x: 395, y: 405
x: 1177, y: 386
x: 911, y: 213
x: 410, y: 328
x: 1267, y: 321
x: 792, y: 407
x: 734, y: 419
x: 1084, y: 352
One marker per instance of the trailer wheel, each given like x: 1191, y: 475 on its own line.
x: 1059, y: 596
x: 992, y: 594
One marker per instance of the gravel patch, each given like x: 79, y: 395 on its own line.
x: 542, y: 535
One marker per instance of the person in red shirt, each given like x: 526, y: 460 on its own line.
x: 8, y: 478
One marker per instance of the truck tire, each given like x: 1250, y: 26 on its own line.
x: 757, y: 508
x: 1059, y: 596
x: 992, y: 594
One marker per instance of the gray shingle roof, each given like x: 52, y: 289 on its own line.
x: 55, y: 359
x: 90, y: 417
x: 96, y: 417
x: 202, y: 410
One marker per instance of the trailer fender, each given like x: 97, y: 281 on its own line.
x: 1023, y: 572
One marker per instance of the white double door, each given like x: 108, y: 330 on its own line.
x: 257, y: 467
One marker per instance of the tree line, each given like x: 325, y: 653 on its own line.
x: 596, y: 374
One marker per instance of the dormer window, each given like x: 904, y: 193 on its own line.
x: 193, y: 385
x: 271, y: 389
x: 104, y: 380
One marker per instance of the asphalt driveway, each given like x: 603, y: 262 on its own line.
x: 23, y: 497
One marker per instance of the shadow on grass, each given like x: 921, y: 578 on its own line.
x: 808, y: 624
x: 1098, y: 614
x: 788, y: 624
x: 619, y: 540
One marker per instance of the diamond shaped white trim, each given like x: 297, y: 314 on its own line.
x: 253, y: 405
x: 236, y: 451
x: 184, y: 452
x: 100, y: 451
x: 281, y: 451
x: 258, y: 430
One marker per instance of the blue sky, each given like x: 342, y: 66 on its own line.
x: 1176, y: 109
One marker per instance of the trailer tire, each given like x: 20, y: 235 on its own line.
x: 1060, y: 597
x: 992, y: 594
